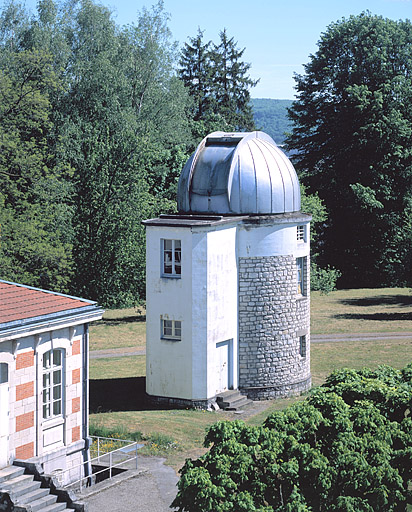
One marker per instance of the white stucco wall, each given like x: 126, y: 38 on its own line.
x: 168, y: 363
x: 204, y: 299
x: 271, y: 240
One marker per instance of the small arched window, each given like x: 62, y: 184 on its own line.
x: 53, y: 383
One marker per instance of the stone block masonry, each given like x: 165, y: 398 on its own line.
x: 272, y: 318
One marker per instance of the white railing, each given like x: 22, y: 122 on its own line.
x: 127, y: 453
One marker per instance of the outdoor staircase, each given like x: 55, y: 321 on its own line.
x: 26, y: 493
x: 233, y: 400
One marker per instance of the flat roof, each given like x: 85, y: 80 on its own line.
x: 185, y: 220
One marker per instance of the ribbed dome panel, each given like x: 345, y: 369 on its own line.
x: 238, y: 173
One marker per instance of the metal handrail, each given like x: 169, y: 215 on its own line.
x: 89, y: 478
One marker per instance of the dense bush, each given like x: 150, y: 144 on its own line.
x: 348, y: 447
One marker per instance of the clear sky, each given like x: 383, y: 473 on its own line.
x: 278, y: 35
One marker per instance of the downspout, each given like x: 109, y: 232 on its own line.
x: 85, y: 403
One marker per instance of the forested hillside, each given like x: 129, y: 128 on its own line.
x: 271, y: 117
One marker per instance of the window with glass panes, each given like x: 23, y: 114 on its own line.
x: 52, y: 383
x: 301, y: 275
x: 171, y: 329
x: 171, y: 260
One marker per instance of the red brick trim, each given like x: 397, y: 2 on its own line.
x: 75, y: 434
x: 25, y: 360
x: 76, y: 376
x: 76, y: 404
x: 26, y: 451
x: 24, y: 390
x: 76, y: 348
x: 24, y: 421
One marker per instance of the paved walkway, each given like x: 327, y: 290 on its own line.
x: 314, y: 338
x: 151, y: 488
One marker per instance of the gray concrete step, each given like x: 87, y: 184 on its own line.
x: 56, y: 507
x: 21, y: 485
x: 232, y: 400
x: 30, y: 497
x: 42, y: 503
x: 10, y: 472
x: 26, y: 492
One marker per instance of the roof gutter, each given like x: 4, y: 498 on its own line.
x: 53, y: 321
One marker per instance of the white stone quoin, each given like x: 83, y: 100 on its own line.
x: 228, y: 278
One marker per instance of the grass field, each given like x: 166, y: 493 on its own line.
x: 178, y: 434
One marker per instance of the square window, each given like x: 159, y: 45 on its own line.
x: 171, y: 258
x: 171, y: 329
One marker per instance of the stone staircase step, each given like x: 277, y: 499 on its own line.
x: 32, y: 497
x: 56, y: 507
x: 42, y: 503
x: 232, y: 400
x: 10, y: 472
x: 241, y: 403
x: 21, y: 485
x: 27, y: 492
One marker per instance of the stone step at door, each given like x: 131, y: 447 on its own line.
x: 232, y: 400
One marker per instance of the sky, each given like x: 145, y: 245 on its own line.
x: 278, y: 35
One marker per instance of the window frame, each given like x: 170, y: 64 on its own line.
x: 172, y: 331
x: 301, y: 281
x: 303, y: 346
x: 301, y: 233
x: 52, y: 387
x: 176, y: 266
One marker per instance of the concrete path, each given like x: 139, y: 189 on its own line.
x: 314, y: 338
x: 151, y: 488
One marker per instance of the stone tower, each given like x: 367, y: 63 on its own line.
x: 228, y: 277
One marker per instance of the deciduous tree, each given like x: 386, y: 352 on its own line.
x: 352, y: 128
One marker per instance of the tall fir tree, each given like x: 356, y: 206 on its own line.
x: 218, y: 82
x: 231, y: 84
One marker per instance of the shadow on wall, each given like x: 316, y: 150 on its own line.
x: 110, y: 395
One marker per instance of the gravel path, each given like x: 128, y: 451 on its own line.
x: 314, y: 338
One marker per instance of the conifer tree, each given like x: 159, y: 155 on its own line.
x: 218, y: 82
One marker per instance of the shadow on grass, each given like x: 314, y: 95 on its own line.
x: 122, y: 320
x: 110, y: 395
x: 379, y: 300
x: 398, y: 317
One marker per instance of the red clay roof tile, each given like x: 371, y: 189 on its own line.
x: 19, y: 302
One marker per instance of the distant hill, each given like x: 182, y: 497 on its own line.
x: 271, y: 117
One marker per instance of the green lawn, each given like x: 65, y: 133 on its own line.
x: 346, y: 311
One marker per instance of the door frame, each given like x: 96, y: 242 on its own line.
x: 229, y: 344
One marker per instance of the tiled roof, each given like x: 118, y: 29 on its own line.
x: 18, y: 302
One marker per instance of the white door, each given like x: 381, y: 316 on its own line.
x: 223, y: 366
x: 4, y: 415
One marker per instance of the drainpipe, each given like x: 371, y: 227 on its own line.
x: 85, y: 402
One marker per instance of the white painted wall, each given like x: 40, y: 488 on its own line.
x: 271, y: 240
x: 168, y: 363
x: 222, y: 303
x: 204, y: 299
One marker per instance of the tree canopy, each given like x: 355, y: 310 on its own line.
x: 351, y: 136
x: 348, y: 447
x: 218, y: 81
x: 94, y: 129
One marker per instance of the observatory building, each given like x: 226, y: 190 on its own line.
x: 228, y: 278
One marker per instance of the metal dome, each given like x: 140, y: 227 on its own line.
x: 238, y: 173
